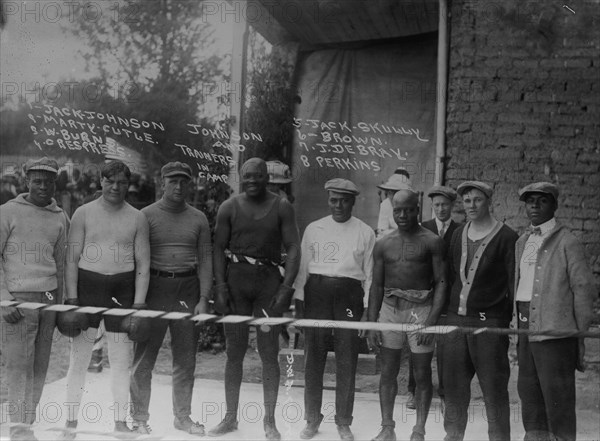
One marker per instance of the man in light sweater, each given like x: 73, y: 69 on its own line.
x: 180, y: 281
x: 33, y: 231
x: 335, y: 274
x: 107, y: 265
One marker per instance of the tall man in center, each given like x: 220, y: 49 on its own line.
x: 250, y: 231
x: 335, y: 274
x: 181, y: 281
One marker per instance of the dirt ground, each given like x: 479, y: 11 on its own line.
x: 210, y: 365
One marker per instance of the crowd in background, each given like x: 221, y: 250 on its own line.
x: 77, y: 188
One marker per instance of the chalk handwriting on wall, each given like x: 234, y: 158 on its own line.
x: 345, y: 146
x: 72, y: 129
x: 220, y: 144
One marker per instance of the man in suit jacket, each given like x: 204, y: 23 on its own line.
x: 442, y: 201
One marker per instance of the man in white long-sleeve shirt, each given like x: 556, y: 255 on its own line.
x: 335, y: 273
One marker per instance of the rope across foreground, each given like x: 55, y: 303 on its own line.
x: 299, y: 323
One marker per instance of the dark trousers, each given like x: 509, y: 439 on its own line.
x: 486, y: 355
x: 328, y: 298
x: 252, y: 288
x: 164, y: 294
x: 546, y: 385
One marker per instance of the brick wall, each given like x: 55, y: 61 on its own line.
x: 524, y: 106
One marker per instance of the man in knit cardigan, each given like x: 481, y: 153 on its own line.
x: 481, y: 260
x: 554, y: 291
x: 32, y: 233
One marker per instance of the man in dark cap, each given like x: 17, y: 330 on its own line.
x: 250, y: 231
x: 442, y: 201
x: 335, y: 274
x: 481, y: 263
x: 33, y: 233
x: 554, y: 288
x: 180, y: 281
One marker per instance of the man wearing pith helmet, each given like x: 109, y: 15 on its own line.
x: 554, y: 292
x: 481, y: 264
x: 32, y: 234
x: 335, y: 275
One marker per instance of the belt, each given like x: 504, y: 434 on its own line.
x: 172, y: 274
x: 240, y: 258
x: 324, y: 278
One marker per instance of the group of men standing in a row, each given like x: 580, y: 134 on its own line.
x: 162, y: 258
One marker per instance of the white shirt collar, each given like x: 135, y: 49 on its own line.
x: 546, y: 226
x: 441, y: 224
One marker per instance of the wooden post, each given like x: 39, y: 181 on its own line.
x: 441, y: 92
x: 237, y: 90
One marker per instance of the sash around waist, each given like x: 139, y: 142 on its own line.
x: 412, y: 295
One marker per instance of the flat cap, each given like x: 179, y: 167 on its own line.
x: 43, y: 164
x: 539, y: 187
x: 396, y: 182
x: 176, y: 169
x: 342, y: 186
x: 481, y: 186
x: 440, y: 190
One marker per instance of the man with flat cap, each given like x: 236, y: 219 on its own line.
x: 442, y: 201
x: 33, y: 233
x: 250, y: 232
x: 481, y: 270
x: 180, y: 281
x: 335, y: 275
x: 554, y: 292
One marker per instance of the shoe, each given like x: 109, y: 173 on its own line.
x: 22, y: 433
x: 410, y: 403
x: 96, y: 361
x: 141, y: 427
x: 95, y: 367
x: 417, y: 436
x: 121, y: 426
x: 187, y: 425
x: 312, y: 428
x: 69, y: 433
x: 271, y: 432
x: 229, y: 424
x: 387, y: 433
x: 345, y: 432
